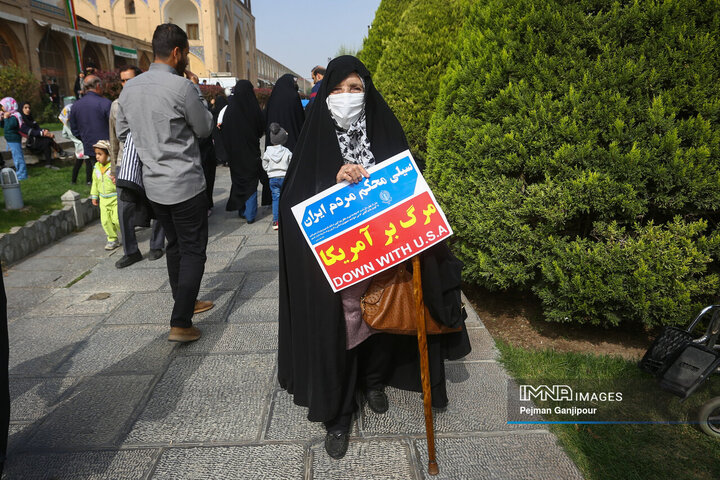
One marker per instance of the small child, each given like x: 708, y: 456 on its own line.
x: 104, y: 188
x: 10, y: 121
x: 275, y: 161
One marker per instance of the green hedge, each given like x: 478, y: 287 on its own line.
x: 387, y: 17
x: 413, y: 62
x: 567, y: 138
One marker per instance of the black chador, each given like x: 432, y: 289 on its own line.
x: 241, y: 131
x: 284, y: 108
x: 313, y: 363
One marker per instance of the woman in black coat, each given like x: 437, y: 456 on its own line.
x: 284, y: 108
x: 325, y: 355
x: 217, y: 107
x: 241, y: 131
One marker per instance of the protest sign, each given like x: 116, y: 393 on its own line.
x: 359, y: 230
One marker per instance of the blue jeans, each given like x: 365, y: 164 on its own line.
x: 18, y: 159
x: 275, y: 186
x: 251, y: 207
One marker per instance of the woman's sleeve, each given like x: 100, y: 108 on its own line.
x: 31, y: 130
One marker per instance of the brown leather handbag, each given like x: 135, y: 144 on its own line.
x: 389, y: 305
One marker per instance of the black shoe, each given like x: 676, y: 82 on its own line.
x: 336, y: 444
x: 155, y: 253
x: 377, y: 401
x: 250, y: 222
x: 128, y: 260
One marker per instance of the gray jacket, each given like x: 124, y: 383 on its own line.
x: 166, y: 115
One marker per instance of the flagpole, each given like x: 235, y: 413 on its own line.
x: 76, y: 44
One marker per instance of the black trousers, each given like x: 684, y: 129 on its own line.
x: 44, y: 146
x: 89, y: 164
x: 366, y: 368
x: 186, y: 231
x: 126, y: 215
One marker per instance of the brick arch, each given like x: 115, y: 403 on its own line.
x: 181, y: 13
x: 11, y: 49
x: 56, y: 60
x: 238, y: 52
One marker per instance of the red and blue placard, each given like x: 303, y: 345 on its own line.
x: 358, y: 230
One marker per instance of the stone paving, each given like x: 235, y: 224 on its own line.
x: 98, y: 392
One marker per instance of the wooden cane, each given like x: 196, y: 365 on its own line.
x: 424, y: 365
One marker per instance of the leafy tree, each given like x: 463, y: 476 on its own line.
x: 20, y: 84
x: 413, y: 62
x: 345, y: 50
x: 575, y: 147
x: 387, y: 17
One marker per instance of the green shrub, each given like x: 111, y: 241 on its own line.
x: 561, y: 118
x: 387, y: 17
x: 408, y: 74
x: 653, y: 274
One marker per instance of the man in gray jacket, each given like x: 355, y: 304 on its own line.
x: 166, y: 115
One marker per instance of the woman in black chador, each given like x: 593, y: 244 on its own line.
x: 284, y: 108
x: 241, y: 131
x: 220, y: 153
x: 326, y: 353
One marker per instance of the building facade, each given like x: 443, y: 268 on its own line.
x: 38, y: 33
x: 269, y: 70
x: 221, y: 32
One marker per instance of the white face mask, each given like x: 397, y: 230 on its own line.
x: 346, y: 108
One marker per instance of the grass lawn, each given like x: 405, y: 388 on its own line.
x: 626, y: 452
x: 41, y: 195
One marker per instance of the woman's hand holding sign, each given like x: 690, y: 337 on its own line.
x: 352, y: 173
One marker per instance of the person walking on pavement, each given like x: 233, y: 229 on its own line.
x: 89, y: 119
x: 126, y: 209
x: 284, y: 108
x: 166, y: 115
x: 275, y: 161
x: 317, y: 75
x: 221, y: 155
x: 242, y: 127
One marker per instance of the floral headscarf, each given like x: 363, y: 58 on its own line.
x: 10, y: 105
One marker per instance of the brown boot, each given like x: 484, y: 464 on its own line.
x: 179, y: 334
x: 202, y: 306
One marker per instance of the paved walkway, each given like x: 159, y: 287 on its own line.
x: 99, y: 393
